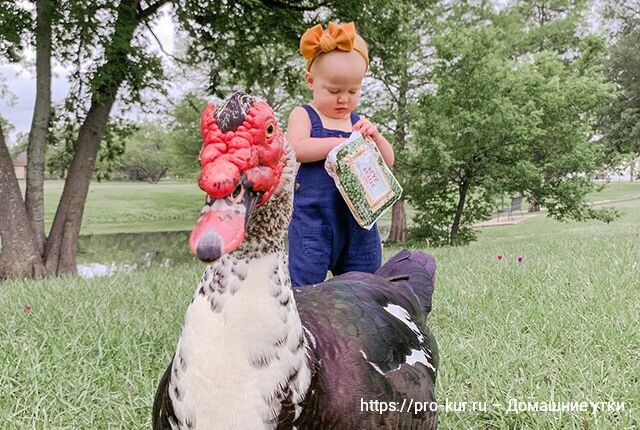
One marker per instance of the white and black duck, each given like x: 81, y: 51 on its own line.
x: 255, y: 353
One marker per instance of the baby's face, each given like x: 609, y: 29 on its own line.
x: 335, y: 79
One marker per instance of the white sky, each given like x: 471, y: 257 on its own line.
x: 17, y: 106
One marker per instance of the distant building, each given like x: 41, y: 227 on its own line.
x: 624, y: 173
x: 20, y: 165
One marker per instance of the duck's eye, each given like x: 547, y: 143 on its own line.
x: 270, y: 130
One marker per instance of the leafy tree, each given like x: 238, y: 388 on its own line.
x: 623, y: 13
x: 549, y: 25
x: 262, y: 59
x: 184, y: 139
x: 498, y: 124
x: 105, y: 41
x: 564, y: 157
x: 15, y: 21
x: 464, y: 136
x: 62, y: 138
x: 146, y: 155
x: 621, y: 118
x: 107, y: 44
x: 400, y: 54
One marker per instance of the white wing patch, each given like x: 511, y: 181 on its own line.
x: 401, y: 313
x: 417, y: 355
x: 310, y: 336
x: 374, y: 365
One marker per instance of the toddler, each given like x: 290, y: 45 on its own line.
x: 323, y: 235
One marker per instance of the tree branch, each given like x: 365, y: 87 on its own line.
x: 390, y: 89
x: 143, y: 14
x: 390, y: 129
x: 283, y: 4
x: 173, y: 57
x: 634, y: 12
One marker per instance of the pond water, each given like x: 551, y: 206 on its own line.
x: 106, y: 254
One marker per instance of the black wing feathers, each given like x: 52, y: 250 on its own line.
x: 162, y: 407
x: 365, y: 328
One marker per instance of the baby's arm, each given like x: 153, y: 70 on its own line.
x: 370, y: 131
x: 308, y: 149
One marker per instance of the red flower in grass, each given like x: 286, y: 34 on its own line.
x: 499, y: 257
x: 27, y: 308
x: 520, y: 259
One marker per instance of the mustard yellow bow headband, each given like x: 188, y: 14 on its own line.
x: 315, y: 41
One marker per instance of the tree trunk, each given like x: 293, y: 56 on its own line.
x: 34, y: 199
x: 632, y: 169
x: 398, y: 232
x: 18, y: 254
x: 18, y: 250
x: 160, y: 175
x: 534, y: 206
x: 455, y: 227
x: 63, y: 240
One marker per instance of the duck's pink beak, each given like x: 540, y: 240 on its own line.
x: 221, y: 226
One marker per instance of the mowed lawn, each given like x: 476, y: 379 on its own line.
x: 560, y: 327
x: 126, y: 207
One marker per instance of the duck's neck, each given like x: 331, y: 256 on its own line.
x: 267, y: 228
x: 242, y: 351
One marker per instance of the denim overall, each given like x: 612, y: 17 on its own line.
x: 323, y: 235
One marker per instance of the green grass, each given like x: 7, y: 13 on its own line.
x: 89, y: 353
x: 560, y: 326
x: 126, y: 207
x: 134, y: 207
x: 617, y: 191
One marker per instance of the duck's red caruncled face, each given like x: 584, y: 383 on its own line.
x: 242, y: 162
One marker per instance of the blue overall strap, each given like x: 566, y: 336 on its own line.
x: 318, y: 129
x: 316, y: 122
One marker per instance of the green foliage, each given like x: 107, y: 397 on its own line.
x: 563, y: 157
x: 113, y: 146
x: 460, y: 137
x: 184, y: 139
x: 621, y: 118
x: 14, y: 21
x: 433, y: 218
x: 497, y: 124
x: 62, y: 138
x: 250, y: 46
x: 550, y: 25
x: 146, y: 155
x: 399, y: 60
x: 625, y: 12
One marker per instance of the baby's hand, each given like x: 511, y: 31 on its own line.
x: 367, y: 129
